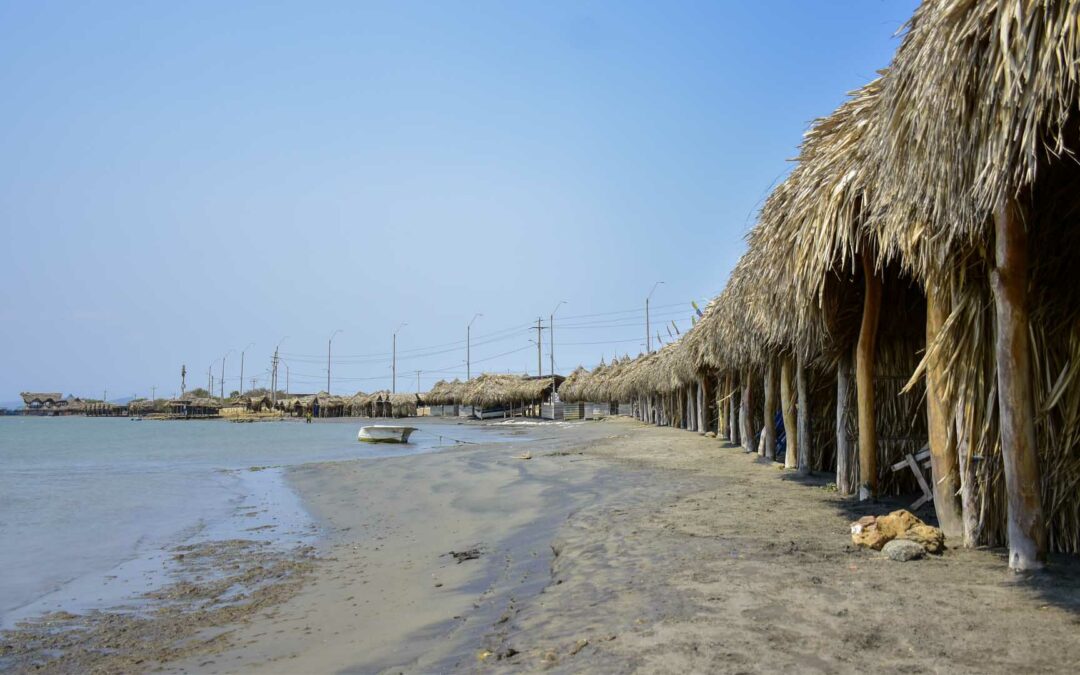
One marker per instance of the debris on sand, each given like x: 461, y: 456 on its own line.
x: 876, y: 531
x: 527, y: 455
x: 470, y: 554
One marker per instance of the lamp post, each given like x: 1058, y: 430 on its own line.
x: 242, y: 366
x: 468, y: 348
x: 551, y: 340
x: 648, y: 339
x: 329, y: 342
x: 393, y: 365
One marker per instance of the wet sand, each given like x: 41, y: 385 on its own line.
x: 620, y: 547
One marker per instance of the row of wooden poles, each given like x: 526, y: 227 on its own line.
x: 723, y: 402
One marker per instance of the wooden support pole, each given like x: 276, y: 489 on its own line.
x: 1016, y: 398
x: 746, y: 413
x: 691, y: 408
x: 803, y: 412
x: 864, y: 380
x: 721, y: 407
x: 944, y: 462
x: 787, y: 407
x: 734, y: 434
x: 769, y: 449
x: 969, y: 507
x: 702, y: 408
x: 845, y: 456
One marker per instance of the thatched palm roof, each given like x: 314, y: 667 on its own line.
x: 979, y: 95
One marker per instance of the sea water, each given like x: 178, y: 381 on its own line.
x: 89, y: 507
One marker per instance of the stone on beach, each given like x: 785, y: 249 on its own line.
x: 903, y: 550
x: 877, y: 531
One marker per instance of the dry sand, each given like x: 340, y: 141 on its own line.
x: 620, y: 547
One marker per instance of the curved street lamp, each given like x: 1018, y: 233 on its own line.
x: 329, y: 342
x: 468, y: 347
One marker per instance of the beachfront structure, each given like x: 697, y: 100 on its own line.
x: 194, y: 407
x: 444, y: 398
x: 145, y: 406
x: 912, y: 284
x: 50, y: 404
x: 494, y: 395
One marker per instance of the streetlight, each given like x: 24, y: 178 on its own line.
x: 242, y: 366
x: 648, y: 339
x: 468, y: 348
x: 393, y: 365
x: 329, y: 342
x: 551, y: 340
x: 222, y: 383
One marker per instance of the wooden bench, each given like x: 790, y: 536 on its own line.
x: 918, y: 463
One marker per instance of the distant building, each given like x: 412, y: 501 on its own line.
x: 50, y: 404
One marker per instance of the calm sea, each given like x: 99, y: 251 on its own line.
x: 89, y: 506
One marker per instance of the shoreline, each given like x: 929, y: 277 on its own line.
x: 618, y: 546
x: 621, y: 546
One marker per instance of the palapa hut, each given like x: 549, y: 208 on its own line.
x: 444, y: 398
x: 145, y: 406
x: 190, y: 407
x: 497, y: 395
x: 913, y: 283
x: 51, y: 404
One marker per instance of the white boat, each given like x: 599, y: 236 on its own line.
x: 384, y: 433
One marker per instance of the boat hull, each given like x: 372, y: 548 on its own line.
x: 384, y: 434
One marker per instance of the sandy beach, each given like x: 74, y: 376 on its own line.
x: 617, y: 547
x: 621, y: 547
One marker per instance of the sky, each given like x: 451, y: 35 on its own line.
x: 185, y: 181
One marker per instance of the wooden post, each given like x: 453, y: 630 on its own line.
x: 733, y: 411
x: 944, y: 462
x: 769, y: 449
x: 864, y: 380
x: 691, y: 408
x: 746, y: 413
x: 844, y: 454
x: 803, y: 421
x: 969, y: 507
x: 721, y: 408
x: 787, y: 407
x: 702, y: 409
x: 1016, y: 399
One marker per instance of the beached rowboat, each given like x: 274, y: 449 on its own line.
x: 384, y: 433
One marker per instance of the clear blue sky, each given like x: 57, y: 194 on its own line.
x: 182, y: 179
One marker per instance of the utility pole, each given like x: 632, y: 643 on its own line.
x: 252, y: 384
x: 648, y: 336
x: 328, y: 343
x: 242, y: 368
x: 153, y: 393
x: 183, y: 380
x: 105, y: 396
x: 210, y: 381
x: 273, y: 372
x: 418, y: 381
x: 273, y: 377
x: 222, y: 383
x: 468, y: 348
x: 539, y: 347
x: 551, y: 339
x: 393, y: 364
x: 286, y: 378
